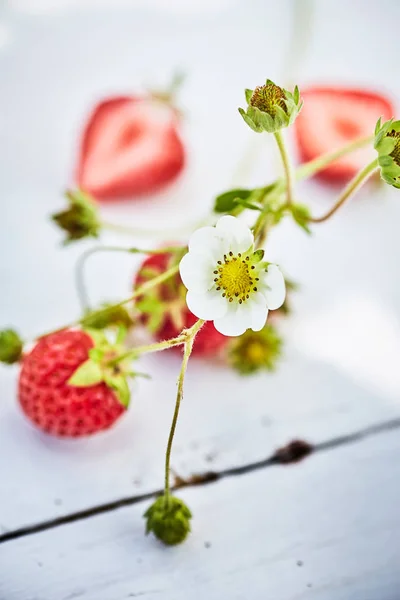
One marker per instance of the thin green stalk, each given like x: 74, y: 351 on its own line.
x: 348, y: 191
x: 82, y: 260
x: 287, y: 167
x: 190, y: 337
x: 156, y: 347
x: 138, y: 292
x: 318, y: 164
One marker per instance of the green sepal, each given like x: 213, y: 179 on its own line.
x: 11, y: 346
x: 98, y: 336
x: 266, y: 113
x: 249, y: 121
x: 80, y: 219
x: 120, y: 386
x: 301, y: 215
x: 96, y: 354
x: 248, y: 94
x: 89, y: 373
x: 257, y: 256
x: 152, y: 306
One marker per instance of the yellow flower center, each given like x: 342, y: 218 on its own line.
x: 235, y: 278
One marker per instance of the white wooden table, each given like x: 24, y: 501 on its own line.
x: 71, y: 511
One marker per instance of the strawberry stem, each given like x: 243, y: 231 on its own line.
x: 190, y: 335
x: 156, y: 347
x: 138, y: 292
x: 318, y: 164
x: 287, y: 167
x: 349, y: 190
x: 82, y: 260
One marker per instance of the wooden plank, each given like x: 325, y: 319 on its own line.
x: 326, y: 528
x: 340, y: 371
x: 228, y: 420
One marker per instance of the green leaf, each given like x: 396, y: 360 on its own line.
x: 120, y: 385
x: 248, y: 93
x: 89, y: 373
x: 301, y: 214
x: 246, y: 204
x: 226, y: 202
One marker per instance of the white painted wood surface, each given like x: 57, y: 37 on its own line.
x: 325, y: 529
x: 340, y: 372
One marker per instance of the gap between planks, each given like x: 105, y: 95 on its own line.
x: 280, y: 457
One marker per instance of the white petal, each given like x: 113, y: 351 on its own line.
x: 258, y: 311
x: 205, y: 241
x: 235, y: 322
x: 197, y: 272
x: 273, y: 287
x: 208, y: 306
x: 235, y: 232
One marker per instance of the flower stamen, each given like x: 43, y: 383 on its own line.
x: 235, y: 278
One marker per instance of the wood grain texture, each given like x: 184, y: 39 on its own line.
x: 340, y: 372
x: 324, y: 529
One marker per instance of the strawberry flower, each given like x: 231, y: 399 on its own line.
x: 227, y: 280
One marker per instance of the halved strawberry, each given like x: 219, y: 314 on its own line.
x: 332, y: 117
x: 164, y: 310
x: 130, y: 146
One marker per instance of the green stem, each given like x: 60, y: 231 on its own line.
x: 190, y: 337
x: 138, y: 292
x: 156, y: 347
x: 81, y: 262
x: 348, y: 191
x: 287, y: 167
x: 320, y: 163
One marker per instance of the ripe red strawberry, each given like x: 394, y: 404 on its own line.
x: 130, y: 146
x: 333, y: 117
x: 165, y: 311
x: 53, y: 404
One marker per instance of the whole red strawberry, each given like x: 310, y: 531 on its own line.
x: 60, y: 407
x: 164, y: 310
x: 334, y: 116
x: 130, y: 146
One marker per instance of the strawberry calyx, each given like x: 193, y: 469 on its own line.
x: 108, y: 362
x: 168, y: 95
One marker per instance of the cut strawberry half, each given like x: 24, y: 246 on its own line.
x: 333, y: 117
x: 130, y: 146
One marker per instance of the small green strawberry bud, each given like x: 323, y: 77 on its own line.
x: 387, y: 144
x: 80, y: 219
x: 255, y: 350
x: 270, y: 107
x: 113, y: 316
x: 11, y: 346
x: 169, y: 519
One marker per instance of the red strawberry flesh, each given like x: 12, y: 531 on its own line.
x: 333, y: 117
x: 130, y: 147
